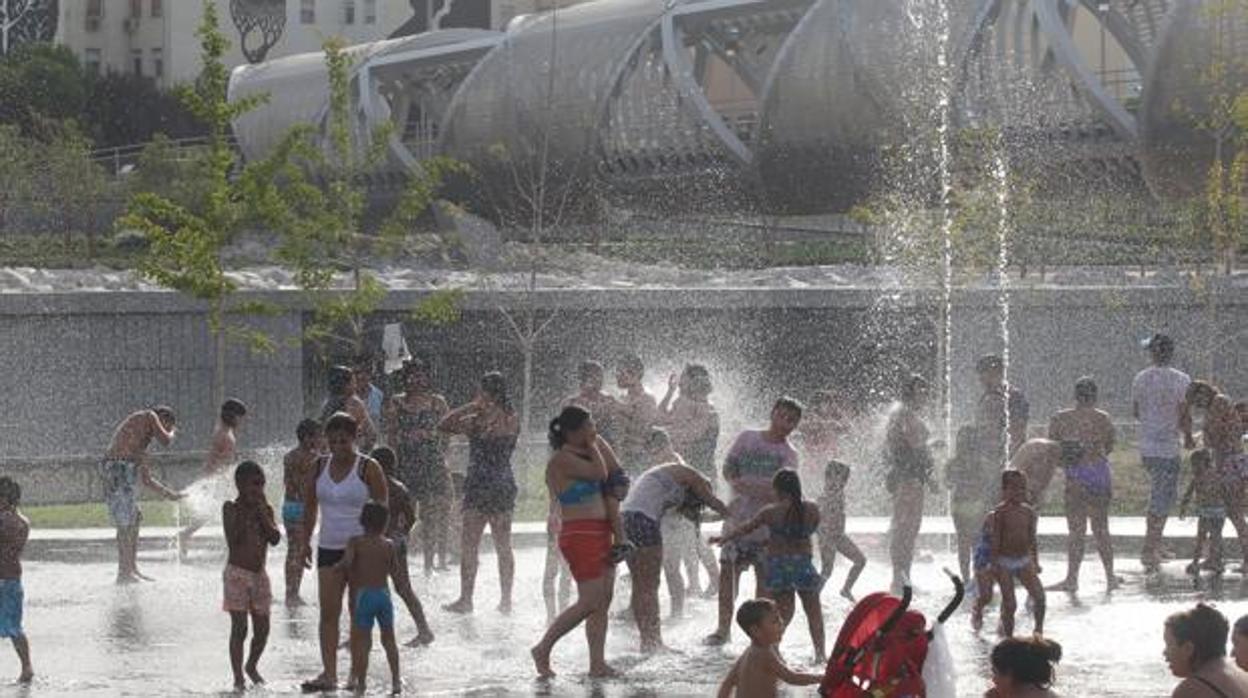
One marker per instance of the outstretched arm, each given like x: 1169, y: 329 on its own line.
x: 781, y: 671
x: 745, y: 528
x: 164, y: 436
x: 460, y: 419
x: 702, y: 487
x: 145, y: 474
x: 729, y: 683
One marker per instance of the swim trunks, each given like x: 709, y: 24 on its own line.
x: 1093, y: 477
x: 1013, y: 565
x: 373, y: 604
x: 792, y: 573
x: 11, y: 598
x: 328, y: 557
x: 643, y: 531
x: 119, y: 478
x: 292, y: 513
x: 982, y: 556
x: 1164, y: 474
x: 586, y: 544
x: 246, y: 591
x: 1212, y: 513
x: 741, y: 552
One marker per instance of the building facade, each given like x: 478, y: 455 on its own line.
x: 156, y: 38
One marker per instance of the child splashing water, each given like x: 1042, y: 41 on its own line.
x: 790, y: 567
x: 832, y: 538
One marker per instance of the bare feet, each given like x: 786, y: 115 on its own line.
x: 254, y: 674
x: 295, y: 601
x: 1067, y: 585
x: 460, y: 606
x: 422, y: 638
x: 142, y: 576
x: 977, y: 619
x: 504, y: 606
x: 1113, y: 582
x: 716, y: 638
x: 396, y: 688
x: 848, y: 595
x: 603, y: 671
x: 320, y: 684
x: 27, y: 676
x: 240, y: 684
x: 541, y: 662
x: 123, y: 579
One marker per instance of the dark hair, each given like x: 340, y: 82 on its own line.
x: 1241, y: 626
x: 698, y: 380
x: 585, y: 369
x: 657, y: 438
x: 911, y: 386
x: 790, y: 404
x: 245, y: 470
x: 307, y: 429
x: 165, y: 412
x: 374, y: 516
x: 1162, y: 348
x: 788, y: 483
x: 836, y: 470
x: 989, y: 362
x: 414, y: 365
x: 752, y: 612
x: 633, y: 364
x: 385, y: 457
x: 10, y: 491
x: 1201, y: 458
x: 1027, y: 660
x: 366, y: 362
x: 339, y: 379
x: 341, y: 423
x: 1199, y: 386
x: 494, y: 385
x: 1203, y: 626
x: 231, y: 410
x: 568, y: 421
x: 1085, y: 389
x: 1008, y: 475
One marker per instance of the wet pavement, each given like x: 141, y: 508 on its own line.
x: 168, y: 637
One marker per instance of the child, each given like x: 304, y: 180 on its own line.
x: 1023, y: 668
x: 455, y: 521
x: 402, y: 517
x: 790, y: 568
x: 221, y: 451
x: 369, y: 561
x: 297, y: 465
x: 249, y: 530
x: 832, y: 538
x: 14, y: 530
x: 1207, y: 487
x: 758, y: 669
x: 1012, y: 552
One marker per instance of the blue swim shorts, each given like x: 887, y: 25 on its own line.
x: 792, y: 573
x: 292, y: 513
x: 373, y: 604
x: 1164, y: 473
x: 11, y: 598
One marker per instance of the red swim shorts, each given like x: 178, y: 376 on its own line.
x: 586, y: 544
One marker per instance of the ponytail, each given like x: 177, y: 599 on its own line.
x: 569, y: 420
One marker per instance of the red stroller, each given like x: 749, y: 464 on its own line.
x: 881, y: 648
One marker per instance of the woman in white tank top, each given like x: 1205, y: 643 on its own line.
x: 336, y: 491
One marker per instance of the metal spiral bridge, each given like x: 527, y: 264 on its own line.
x: 789, y: 102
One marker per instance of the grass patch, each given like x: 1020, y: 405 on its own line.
x: 95, y: 515
x: 52, y: 251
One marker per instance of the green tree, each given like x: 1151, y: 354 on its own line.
x: 40, y: 83
x: 186, y: 241
x: 16, y: 168
x: 72, y: 183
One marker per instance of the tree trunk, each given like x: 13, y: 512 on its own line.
x: 218, y: 387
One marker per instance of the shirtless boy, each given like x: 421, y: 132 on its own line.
x: 297, y: 467
x: 220, y: 455
x: 249, y: 531
x: 14, y: 530
x: 402, y: 518
x: 369, y: 561
x: 633, y: 415
x: 1012, y: 552
x: 123, y: 467
x: 758, y: 671
x: 589, y: 396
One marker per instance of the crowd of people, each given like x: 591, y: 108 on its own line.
x: 628, y: 481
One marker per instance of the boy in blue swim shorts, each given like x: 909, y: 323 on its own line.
x: 1012, y: 554
x: 298, y: 467
x: 14, y: 530
x: 369, y: 562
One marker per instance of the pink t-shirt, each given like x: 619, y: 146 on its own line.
x: 751, y: 463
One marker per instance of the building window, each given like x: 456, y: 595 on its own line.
x: 92, y: 59
x: 348, y: 11
x: 158, y: 63
x: 136, y: 56
x: 307, y: 11
x: 370, y: 11
x: 136, y: 8
x: 158, y: 8
x: 95, y: 10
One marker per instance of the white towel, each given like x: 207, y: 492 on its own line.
x: 395, y: 347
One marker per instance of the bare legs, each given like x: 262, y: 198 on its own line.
x: 555, y: 568
x: 294, y: 564
x: 1233, y: 498
x: 1082, y: 507
x: 907, y: 518
x: 814, y: 616
x: 827, y: 556
x: 238, y: 635
x: 644, y: 566
x: 127, y: 554
x: 403, y: 588
x: 331, y: 583
x: 1009, y: 604
x: 593, y: 599
x: 434, y: 524
x: 500, y: 531
x: 729, y: 577
x: 22, y: 647
x: 361, y: 644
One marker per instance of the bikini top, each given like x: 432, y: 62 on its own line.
x: 580, y: 491
x: 791, y: 531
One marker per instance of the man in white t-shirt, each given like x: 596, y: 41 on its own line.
x: 1158, y: 403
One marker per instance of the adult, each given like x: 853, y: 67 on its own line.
x: 341, y: 397
x: 222, y: 450
x: 489, y: 495
x: 336, y: 491
x: 1158, y: 403
x: 1090, y: 433
x: 1002, y: 412
x: 123, y: 467
x: 753, y: 460
x: 692, y: 425
x: 635, y: 412
x: 1223, y: 433
x: 590, y: 377
x: 575, y: 476
x: 908, y: 459
x: 682, y: 535
x: 972, y: 483
x: 659, y: 491
x: 374, y: 398
x: 1039, y: 460
x: 1196, y: 652
x: 411, y: 423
